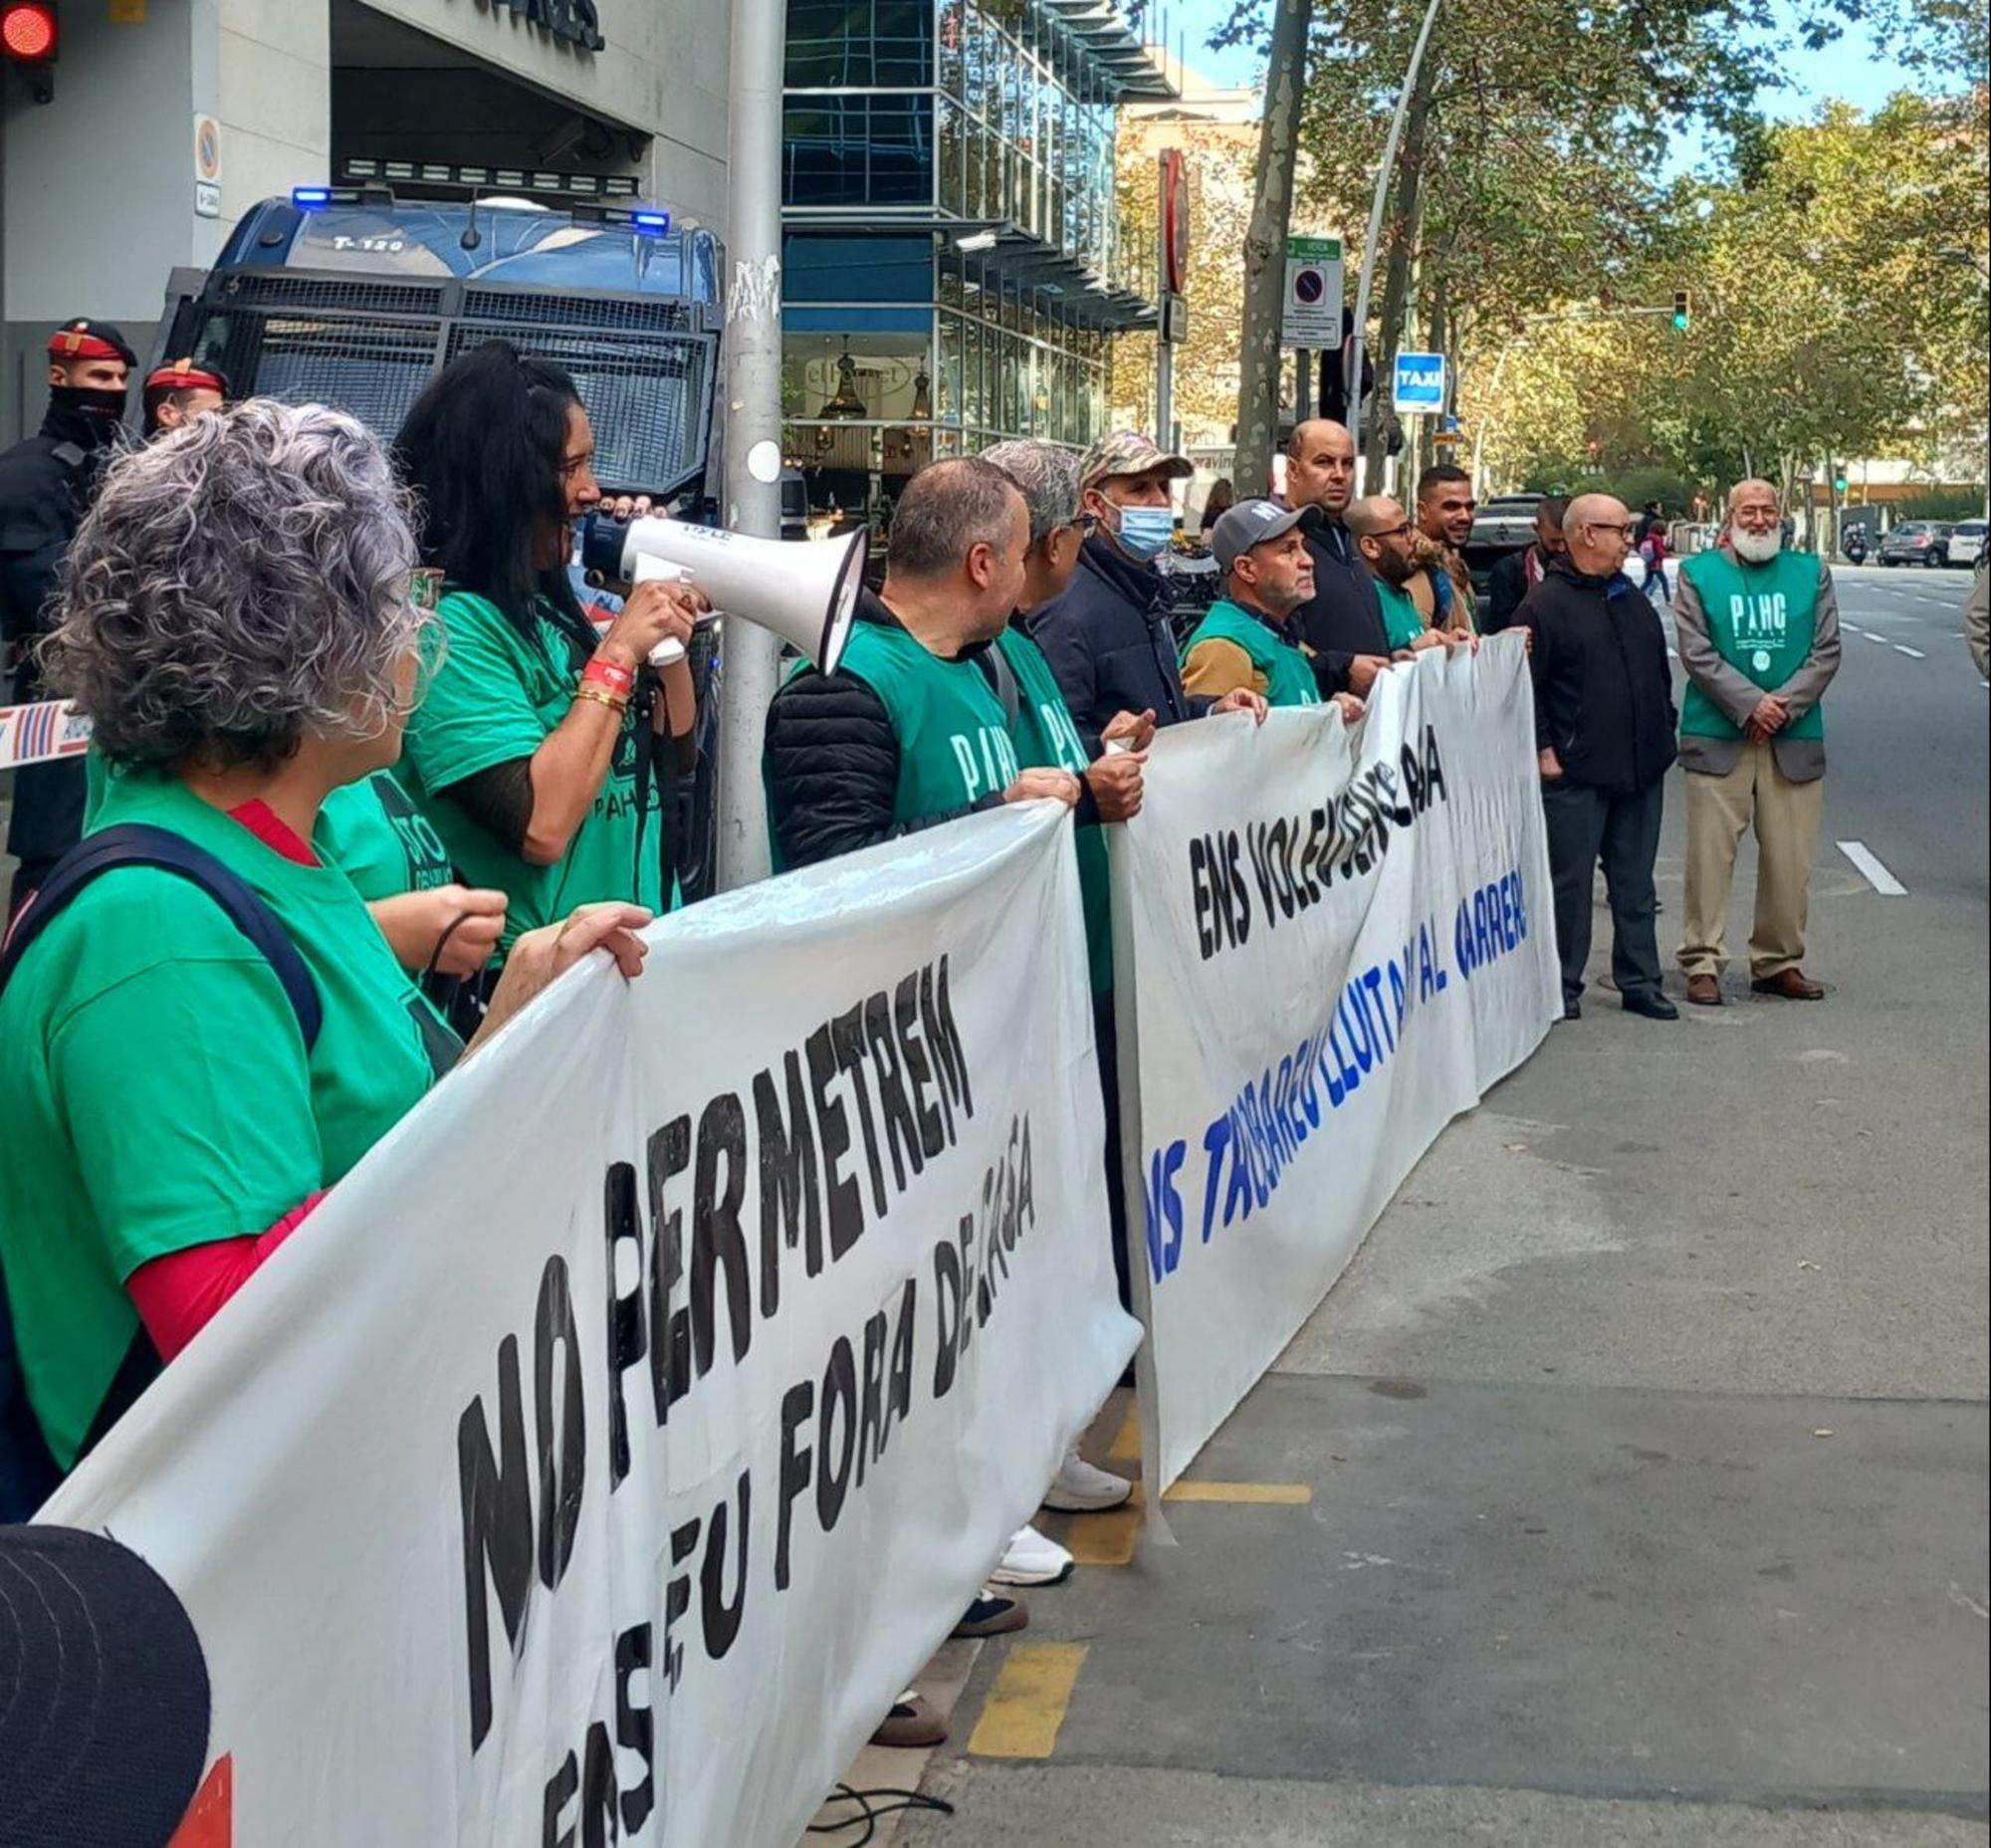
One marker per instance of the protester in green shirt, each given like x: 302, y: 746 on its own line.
x: 238, y: 628
x: 1387, y: 542
x: 374, y: 834
x: 1250, y: 637
x: 531, y: 752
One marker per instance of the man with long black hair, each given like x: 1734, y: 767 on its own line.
x: 525, y: 749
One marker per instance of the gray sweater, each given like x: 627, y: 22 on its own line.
x: 1802, y: 760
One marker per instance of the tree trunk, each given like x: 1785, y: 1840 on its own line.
x: 1266, y: 251
x: 1397, y: 277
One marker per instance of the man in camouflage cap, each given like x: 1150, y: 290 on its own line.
x: 1107, y: 637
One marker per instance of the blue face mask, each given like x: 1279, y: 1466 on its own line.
x: 1145, y: 532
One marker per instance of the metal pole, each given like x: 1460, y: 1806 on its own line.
x: 1165, y: 352
x: 751, y: 655
x: 1375, y: 236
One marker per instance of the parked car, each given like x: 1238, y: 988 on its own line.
x: 1966, y: 543
x: 1504, y: 524
x: 1916, y: 542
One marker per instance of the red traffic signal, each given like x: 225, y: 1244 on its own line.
x: 29, y: 33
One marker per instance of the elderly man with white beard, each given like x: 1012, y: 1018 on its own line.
x: 1759, y: 639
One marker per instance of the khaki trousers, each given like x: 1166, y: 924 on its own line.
x: 1786, y: 815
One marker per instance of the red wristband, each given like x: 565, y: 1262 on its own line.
x: 608, y: 674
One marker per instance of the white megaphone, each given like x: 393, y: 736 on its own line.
x: 805, y: 590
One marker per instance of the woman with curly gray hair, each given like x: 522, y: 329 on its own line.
x: 237, y: 625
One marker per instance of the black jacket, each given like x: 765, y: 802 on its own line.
x: 831, y: 762
x: 1344, y: 618
x: 1506, y: 585
x: 1108, y: 640
x: 46, y: 486
x: 1604, y: 695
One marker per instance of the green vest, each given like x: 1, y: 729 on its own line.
x: 1761, y: 619
x: 1402, y: 620
x: 1047, y: 738
x: 1289, y: 675
x: 953, y: 740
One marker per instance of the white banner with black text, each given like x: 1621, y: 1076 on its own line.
x: 610, y: 1447
x: 1327, y: 943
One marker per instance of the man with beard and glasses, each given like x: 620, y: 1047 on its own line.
x: 47, y: 484
x: 1758, y: 632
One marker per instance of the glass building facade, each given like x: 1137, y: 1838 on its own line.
x: 910, y: 128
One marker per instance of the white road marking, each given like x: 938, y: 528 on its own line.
x: 1870, y: 870
x: 1871, y: 636
x: 1914, y: 654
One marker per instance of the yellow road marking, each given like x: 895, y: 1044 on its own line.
x: 1105, y: 1538
x: 1026, y: 1706
x: 1127, y: 1442
x: 1265, y: 1495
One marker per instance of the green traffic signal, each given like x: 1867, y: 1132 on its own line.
x: 1838, y: 484
x: 1683, y: 311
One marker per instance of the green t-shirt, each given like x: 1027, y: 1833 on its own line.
x: 158, y: 1093
x: 1048, y: 738
x: 1288, y: 674
x: 1762, y: 619
x: 495, y: 698
x: 380, y: 840
x: 1402, y: 620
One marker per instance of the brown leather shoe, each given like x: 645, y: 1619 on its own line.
x: 1789, y: 985
x: 1703, y: 991
x: 912, y: 1723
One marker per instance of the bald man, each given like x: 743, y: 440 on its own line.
x: 1604, y: 737
x: 1342, y: 622
x: 1759, y: 640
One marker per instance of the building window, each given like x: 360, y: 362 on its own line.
x: 860, y: 45
x: 857, y: 151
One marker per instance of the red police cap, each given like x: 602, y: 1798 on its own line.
x: 184, y: 375
x: 82, y: 339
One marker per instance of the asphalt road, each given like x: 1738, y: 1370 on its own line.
x: 1636, y: 1467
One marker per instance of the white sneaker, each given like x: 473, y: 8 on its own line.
x: 1032, y: 1559
x: 1079, y: 1489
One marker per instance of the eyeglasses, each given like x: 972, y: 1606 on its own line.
x: 1624, y: 531
x: 1392, y: 532
x: 1084, y: 525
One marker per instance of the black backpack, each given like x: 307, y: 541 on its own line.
x: 29, y: 1473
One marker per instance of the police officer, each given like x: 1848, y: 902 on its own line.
x: 178, y: 392
x: 46, y: 486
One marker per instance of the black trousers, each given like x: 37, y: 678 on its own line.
x: 1584, y: 827
x: 1108, y: 1044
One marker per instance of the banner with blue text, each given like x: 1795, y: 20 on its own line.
x: 1328, y: 942
x: 609, y: 1449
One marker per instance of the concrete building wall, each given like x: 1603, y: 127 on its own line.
x: 662, y: 72
x: 97, y: 187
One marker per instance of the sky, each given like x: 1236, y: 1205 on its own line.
x: 1847, y: 70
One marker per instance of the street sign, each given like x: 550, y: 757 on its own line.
x: 206, y: 168
x: 1175, y: 319
x: 1175, y: 223
x: 1312, y: 318
x: 1419, y: 382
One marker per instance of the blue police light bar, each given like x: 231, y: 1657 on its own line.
x: 650, y: 223
x: 310, y: 198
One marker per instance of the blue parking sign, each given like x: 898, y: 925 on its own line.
x: 1419, y: 381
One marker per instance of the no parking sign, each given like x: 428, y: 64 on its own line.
x: 1313, y: 293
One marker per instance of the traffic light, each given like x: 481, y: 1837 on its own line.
x: 30, y: 37
x: 28, y: 31
x: 1838, y: 484
x: 1683, y: 311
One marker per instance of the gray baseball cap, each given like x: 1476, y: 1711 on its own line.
x: 1252, y: 523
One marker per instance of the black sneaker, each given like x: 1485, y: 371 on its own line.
x: 1650, y: 1005
x: 992, y: 1614
x: 1572, y: 1009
